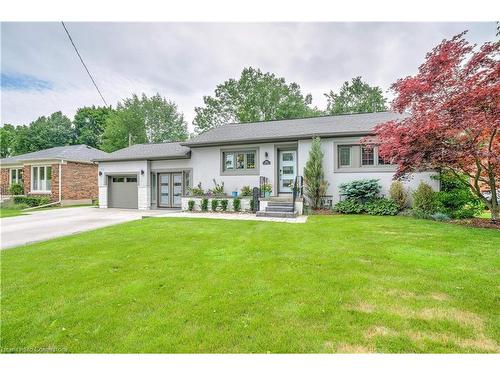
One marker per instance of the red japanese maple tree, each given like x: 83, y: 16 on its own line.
x: 453, y: 117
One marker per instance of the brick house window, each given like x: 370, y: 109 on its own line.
x: 16, y: 176
x: 41, y: 178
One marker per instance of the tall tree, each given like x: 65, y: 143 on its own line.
x: 7, y: 138
x: 143, y: 119
x: 454, y: 117
x: 356, y: 97
x: 314, y: 176
x: 89, y: 124
x: 44, y: 132
x: 255, y: 96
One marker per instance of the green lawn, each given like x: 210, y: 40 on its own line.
x: 334, y: 284
x: 10, y: 211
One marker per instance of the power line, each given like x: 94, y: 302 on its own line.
x: 85, y: 66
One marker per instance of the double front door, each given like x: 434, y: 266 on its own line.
x: 170, y: 189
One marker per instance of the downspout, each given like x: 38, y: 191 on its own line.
x: 60, y: 193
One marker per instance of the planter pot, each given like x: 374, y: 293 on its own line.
x: 267, y: 194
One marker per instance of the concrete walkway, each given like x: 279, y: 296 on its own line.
x: 230, y: 216
x: 41, y: 225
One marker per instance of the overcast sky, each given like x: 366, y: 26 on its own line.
x: 41, y: 72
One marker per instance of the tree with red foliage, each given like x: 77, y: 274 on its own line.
x: 453, y: 117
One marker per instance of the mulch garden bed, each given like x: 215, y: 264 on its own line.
x: 478, y: 223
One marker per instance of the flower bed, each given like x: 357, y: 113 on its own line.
x: 245, y: 204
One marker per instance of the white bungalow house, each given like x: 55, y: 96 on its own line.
x: 151, y: 176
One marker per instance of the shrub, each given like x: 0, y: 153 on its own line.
x: 246, y: 191
x: 314, y: 176
x: 197, y: 190
x: 252, y: 205
x: 214, y: 203
x: 419, y: 214
x: 204, y: 204
x: 456, y: 199
x: 424, y: 199
x: 16, y: 189
x: 381, y: 206
x: 349, y: 206
x: 218, y: 189
x: 267, y: 188
x: 223, y: 204
x: 31, y: 201
x: 361, y: 190
x: 190, y: 205
x: 236, y: 204
x: 399, y: 194
x: 439, y: 216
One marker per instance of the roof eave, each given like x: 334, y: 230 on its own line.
x: 274, y: 139
x: 187, y: 156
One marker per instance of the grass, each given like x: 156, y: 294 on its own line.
x: 10, y: 211
x: 334, y: 284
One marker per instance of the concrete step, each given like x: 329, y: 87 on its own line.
x: 279, y: 204
x: 279, y: 209
x: 276, y: 214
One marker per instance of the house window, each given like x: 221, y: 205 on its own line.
x: 41, y: 178
x: 239, y: 160
x: 187, y: 181
x: 344, y: 156
x: 16, y: 176
x: 367, y: 156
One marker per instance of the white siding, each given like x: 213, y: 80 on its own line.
x: 335, y: 178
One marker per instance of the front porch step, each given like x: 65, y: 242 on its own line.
x: 276, y: 214
x: 279, y: 204
x: 279, y: 208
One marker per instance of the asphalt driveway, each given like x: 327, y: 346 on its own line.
x: 46, y: 224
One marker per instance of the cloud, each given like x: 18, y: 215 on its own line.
x: 21, y: 82
x: 184, y: 61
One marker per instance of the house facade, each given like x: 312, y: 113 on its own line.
x: 65, y: 174
x: 150, y: 176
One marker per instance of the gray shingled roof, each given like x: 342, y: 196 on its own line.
x: 340, y: 125
x: 82, y: 153
x: 150, y: 151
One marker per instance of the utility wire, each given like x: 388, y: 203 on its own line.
x: 85, y: 66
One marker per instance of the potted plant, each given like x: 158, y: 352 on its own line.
x: 267, y: 189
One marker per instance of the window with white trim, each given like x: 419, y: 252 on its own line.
x: 16, y: 176
x: 41, y: 178
x: 367, y: 155
x: 239, y: 160
x: 344, y: 156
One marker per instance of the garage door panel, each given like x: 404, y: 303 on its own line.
x: 123, y: 191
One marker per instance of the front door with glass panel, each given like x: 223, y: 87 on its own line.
x: 170, y: 189
x: 287, y: 170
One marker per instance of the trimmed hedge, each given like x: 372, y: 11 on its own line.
x: 32, y: 201
x: 378, y: 207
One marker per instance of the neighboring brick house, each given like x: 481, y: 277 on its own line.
x: 39, y: 172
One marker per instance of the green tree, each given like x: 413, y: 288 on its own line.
x: 89, y: 124
x: 255, y: 96
x: 356, y: 97
x: 314, y: 176
x: 7, y: 138
x: 44, y: 132
x: 141, y: 120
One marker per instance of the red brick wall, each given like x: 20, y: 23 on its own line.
x: 27, y: 178
x: 79, y: 181
x: 4, y: 181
